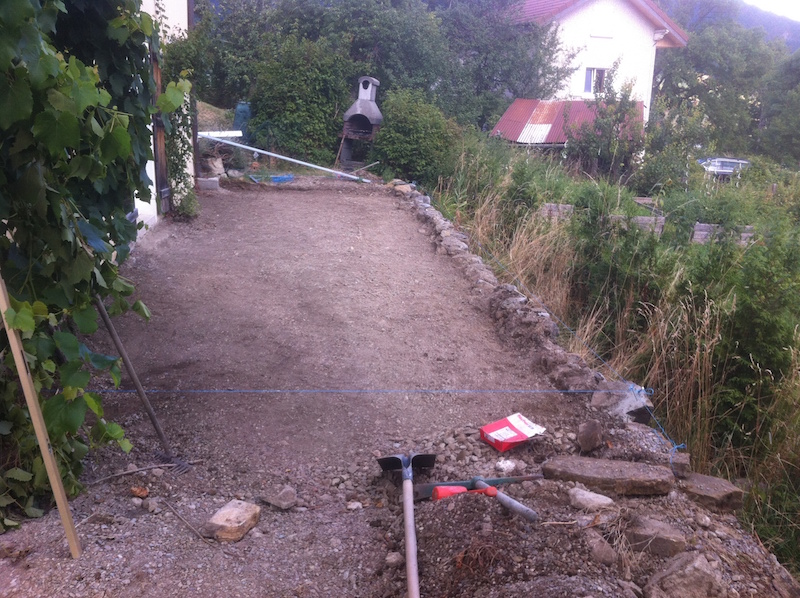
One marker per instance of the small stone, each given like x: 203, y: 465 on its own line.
x: 285, y: 499
x: 712, y: 492
x: 354, y: 505
x: 655, y: 537
x: 703, y: 520
x: 601, y: 550
x: 505, y: 466
x: 395, y: 560
x: 590, y: 436
x: 232, y: 521
x: 588, y: 501
x: 137, y: 502
x: 157, y: 472
x: 688, y: 575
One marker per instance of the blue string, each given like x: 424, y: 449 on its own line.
x: 351, y: 391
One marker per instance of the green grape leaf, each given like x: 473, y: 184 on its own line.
x: 18, y: 474
x: 86, y: 319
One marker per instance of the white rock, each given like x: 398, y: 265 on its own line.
x: 234, y: 520
x: 588, y: 501
x: 703, y: 520
x: 505, y: 466
x: 395, y: 560
x: 354, y: 505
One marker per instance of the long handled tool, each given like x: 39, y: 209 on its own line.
x: 181, y: 466
x: 441, y: 492
x: 424, y: 491
x: 407, y: 463
x: 509, y: 503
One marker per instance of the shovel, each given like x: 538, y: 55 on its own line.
x: 407, y: 463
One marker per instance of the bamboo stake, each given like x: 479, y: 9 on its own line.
x: 35, y: 411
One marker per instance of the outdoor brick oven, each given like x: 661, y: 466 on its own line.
x: 361, y: 121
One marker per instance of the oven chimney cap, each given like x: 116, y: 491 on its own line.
x: 365, y: 104
x: 367, y: 88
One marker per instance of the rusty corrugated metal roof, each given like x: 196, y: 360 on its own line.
x: 540, y: 122
x: 513, y: 121
x: 534, y: 122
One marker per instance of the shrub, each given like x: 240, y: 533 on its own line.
x: 416, y: 139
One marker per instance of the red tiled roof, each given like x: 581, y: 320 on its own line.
x: 545, y: 11
x: 540, y: 122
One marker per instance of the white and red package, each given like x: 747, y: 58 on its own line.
x: 506, y: 433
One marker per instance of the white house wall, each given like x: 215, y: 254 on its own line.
x: 176, y: 15
x: 605, y: 31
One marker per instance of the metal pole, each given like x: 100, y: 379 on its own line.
x: 266, y: 153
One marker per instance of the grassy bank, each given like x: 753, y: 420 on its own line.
x: 712, y: 328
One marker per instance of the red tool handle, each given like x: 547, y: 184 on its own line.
x: 440, y: 492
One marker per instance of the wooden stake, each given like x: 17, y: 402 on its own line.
x: 35, y: 410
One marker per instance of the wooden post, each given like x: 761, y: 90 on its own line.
x: 35, y: 410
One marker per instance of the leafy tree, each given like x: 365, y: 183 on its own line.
x: 721, y: 71
x: 231, y: 38
x: 697, y: 15
x: 610, y: 144
x: 300, y: 98
x: 671, y: 136
x: 400, y: 42
x: 494, y: 58
x: 780, y: 118
x: 75, y: 107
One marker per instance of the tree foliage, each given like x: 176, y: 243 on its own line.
x: 722, y: 71
x: 466, y: 58
x: 612, y: 142
x: 780, y: 117
x: 300, y: 98
x: 75, y: 105
x: 493, y: 58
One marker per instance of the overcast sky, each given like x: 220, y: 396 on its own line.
x: 786, y: 8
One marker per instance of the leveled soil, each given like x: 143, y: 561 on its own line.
x: 299, y: 332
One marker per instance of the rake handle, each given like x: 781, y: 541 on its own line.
x: 101, y: 308
x: 412, y: 572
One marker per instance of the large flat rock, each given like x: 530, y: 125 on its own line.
x: 655, y: 537
x: 605, y: 475
x: 712, y: 492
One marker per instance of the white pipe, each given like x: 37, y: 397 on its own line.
x: 266, y: 153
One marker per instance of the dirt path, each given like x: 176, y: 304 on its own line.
x: 330, y: 300
x: 330, y: 285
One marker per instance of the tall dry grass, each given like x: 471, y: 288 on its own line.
x: 676, y: 356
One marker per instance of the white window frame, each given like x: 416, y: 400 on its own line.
x: 591, y: 83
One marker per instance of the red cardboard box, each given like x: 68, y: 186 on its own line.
x: 506, y: 433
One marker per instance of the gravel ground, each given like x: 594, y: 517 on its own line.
x: 341, y: 293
